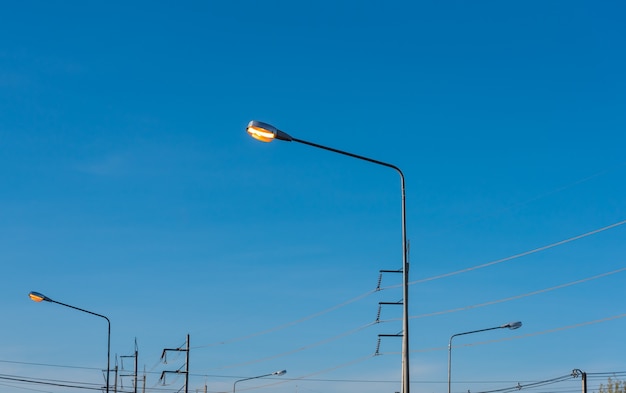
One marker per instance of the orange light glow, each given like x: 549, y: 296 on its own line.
x: 36, y: 297
x: 260, y: 133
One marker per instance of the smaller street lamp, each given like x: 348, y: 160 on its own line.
x: 510, y: 325
x: 38, y: 297
x: 281, y: 372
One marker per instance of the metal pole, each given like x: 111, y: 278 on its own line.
x: 108, y: 334
x: 245, y: 379
x: 405, y: 378
x: 583, y: 375
x: 282, y: 372
x: 136, y: 365
x: 187, y: 368
x: 508, y: 325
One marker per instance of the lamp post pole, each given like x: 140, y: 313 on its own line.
x: 510, y: 325
x: 38, y: 297
x: 266, y: 133
x: 281, y: 372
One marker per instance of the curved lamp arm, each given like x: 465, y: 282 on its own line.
x: 38, y: 297
x: 510, y: 325
x: 281, y: 372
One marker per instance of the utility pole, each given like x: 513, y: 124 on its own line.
x: 135, y: 373
x: 115, y: 383
x: 576, y: 372
x: 179, y: 371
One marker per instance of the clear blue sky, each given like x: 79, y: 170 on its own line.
x: 130, y: 189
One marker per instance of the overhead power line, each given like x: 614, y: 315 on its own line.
x: 52, y: 382
x: 507, y: 299
x: 288, y: 324
x: 516, y: 256
x: 362, y: 327
x: 519, y: 386
x: 436, y: 313
x: 366, y: 294
x: 517, y: 337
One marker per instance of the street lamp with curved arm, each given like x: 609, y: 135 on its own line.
x: 267, y: 133
x: 510, y: 325
x: 281, y: 372
x: 38, y: 297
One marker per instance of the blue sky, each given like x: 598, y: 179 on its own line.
x: 131, y: 189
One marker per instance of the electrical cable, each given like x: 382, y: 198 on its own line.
x: 288, y: 324
x: 66, y: 384
x: 516, y: 256
x: 24, y: 388
x: 507, y: 299
x: 530, y: 385
x: 364, y: 326
x: 418, y: 316
x: 516, y: 337
x: 315, y: 344
x: 366, y: 294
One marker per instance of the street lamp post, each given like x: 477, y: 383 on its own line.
x: 38, y: 297
x: 510, y: 325
x: 281, y: 372
x: 266, y: 133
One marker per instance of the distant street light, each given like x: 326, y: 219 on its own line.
x: 267, y: 133
x: 281, y: 372
x: 510, y: 325
x: 38, y: 297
